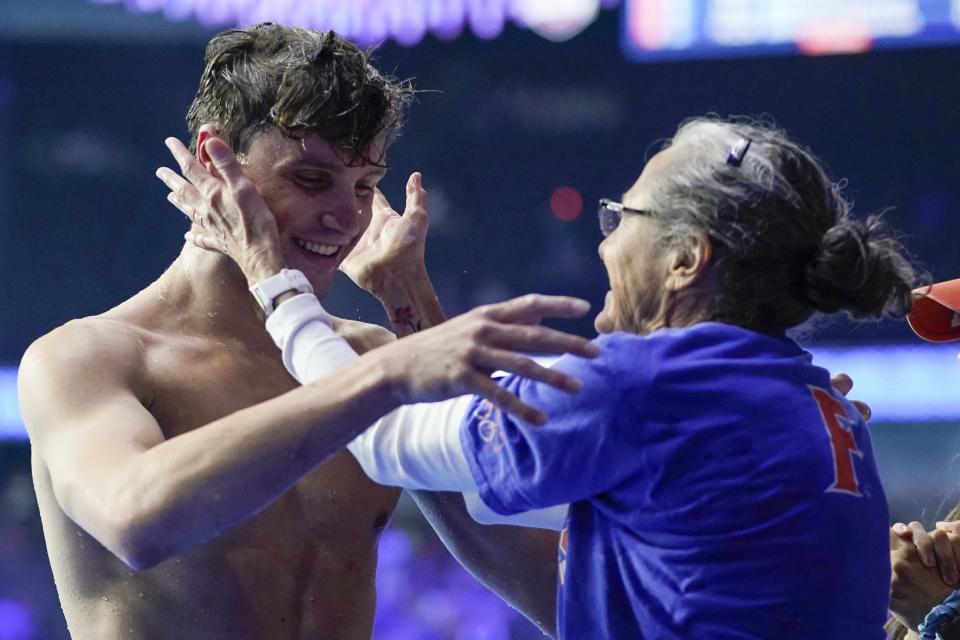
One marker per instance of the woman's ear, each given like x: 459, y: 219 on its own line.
x: 690, y: 262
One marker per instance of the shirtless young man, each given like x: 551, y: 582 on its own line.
x: 189, y: 488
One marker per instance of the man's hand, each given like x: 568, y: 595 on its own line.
x: 391, y: 249
x: 843, y: 383
x: 458, y: 356
x: 228, y: 214
x: 916, y: 586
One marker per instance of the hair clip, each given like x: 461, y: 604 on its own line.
x: 737, y: 151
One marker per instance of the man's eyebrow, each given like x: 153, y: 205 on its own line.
x: 335, y: 167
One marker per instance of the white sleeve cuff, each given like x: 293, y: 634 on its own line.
x: 302, y: 329
x: 417, y: 447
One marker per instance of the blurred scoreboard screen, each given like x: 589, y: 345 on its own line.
x: 689, y: 29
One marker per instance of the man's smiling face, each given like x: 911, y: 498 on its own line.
x: 322, y: 205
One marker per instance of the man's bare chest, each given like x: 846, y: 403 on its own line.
x: 195, y: 384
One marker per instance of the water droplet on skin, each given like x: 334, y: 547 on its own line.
x: 141, y: 594
x: 106, y: 599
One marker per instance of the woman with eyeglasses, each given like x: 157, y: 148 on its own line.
x: 718, y: 486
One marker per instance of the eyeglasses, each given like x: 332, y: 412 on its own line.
x: 611, y: 212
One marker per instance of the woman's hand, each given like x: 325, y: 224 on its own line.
x: 227, y: 213
x: 844, y: 383
x: 391, y: 250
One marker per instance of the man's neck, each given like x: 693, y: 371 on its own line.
x: 209, y: 293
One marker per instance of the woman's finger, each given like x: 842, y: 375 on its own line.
x: 184, y: 208
x: 842, y: 383
x: 416, y: 208
x: 190, y: 168
x: 203, y: 240
x: 380, y: 202
x: 865, y: 412
x: 175, y: 182
x: 225, y: 161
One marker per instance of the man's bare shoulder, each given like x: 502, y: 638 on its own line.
x: 84, y: 354
x: 96, y: 342
x: 362, y: 336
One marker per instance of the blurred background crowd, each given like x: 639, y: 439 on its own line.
x: 528, y: 112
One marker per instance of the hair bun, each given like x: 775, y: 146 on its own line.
x: 860, y: 269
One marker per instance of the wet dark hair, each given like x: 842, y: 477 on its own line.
x: 298, y: 81
x: 785, y: 244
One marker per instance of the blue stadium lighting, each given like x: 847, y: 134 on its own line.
x: 372, y: 21
x: 901, y: 383
x: 11, y: 426
x: 687, y: 29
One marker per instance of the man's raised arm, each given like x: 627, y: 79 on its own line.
x: 147, y: 498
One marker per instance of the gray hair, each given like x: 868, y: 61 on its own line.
x: 784, y: 242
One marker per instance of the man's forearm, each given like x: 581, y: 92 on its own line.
x: 193, y: 487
